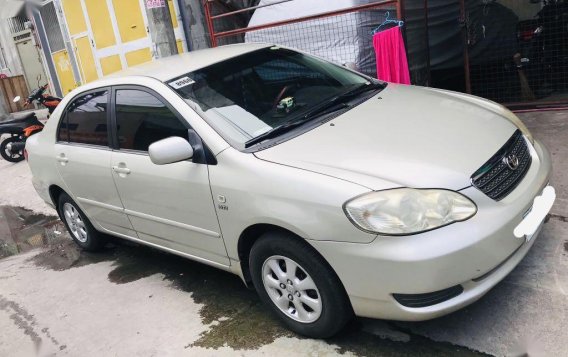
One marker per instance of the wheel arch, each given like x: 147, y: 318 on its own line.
x: 252, y: 233
x: 54, y: 193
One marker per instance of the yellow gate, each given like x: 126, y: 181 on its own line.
x: 129, y: 19
x: 109, y: 35
x: 64, y: 71
x: 85, y: 58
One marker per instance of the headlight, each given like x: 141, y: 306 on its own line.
x: 405, y: 211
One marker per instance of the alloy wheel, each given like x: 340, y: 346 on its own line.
x: 75, y: 222
x: 291, y: 289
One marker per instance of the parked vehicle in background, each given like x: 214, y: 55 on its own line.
x: 374, y: 199
x: 543, y: 44
x: 12, y: 148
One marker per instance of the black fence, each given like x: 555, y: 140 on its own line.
x: 511, y: 51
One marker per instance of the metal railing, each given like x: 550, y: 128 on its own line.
x: 215, y: 36
x: 17, y: 24
x: 343, y: 36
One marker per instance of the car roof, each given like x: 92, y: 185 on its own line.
x: 166, y: 68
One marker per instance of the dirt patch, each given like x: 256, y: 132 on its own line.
x: 556, y: 217
x: 22, y: 230
x: 235, y: 313
x: 64, y: 254
x: 248, y: 329
x: 356, y: 340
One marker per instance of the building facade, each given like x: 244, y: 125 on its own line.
x: 88, y: 39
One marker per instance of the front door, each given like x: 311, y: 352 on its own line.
x: 168, y: 205
x: 83, y: 159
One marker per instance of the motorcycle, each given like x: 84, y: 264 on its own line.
x: 543, y: 46
x: 12, y: 148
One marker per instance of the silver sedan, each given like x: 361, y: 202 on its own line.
x: 330, y: 192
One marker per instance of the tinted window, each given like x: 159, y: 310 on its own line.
x: 86, y: 120
x: 143, y: 119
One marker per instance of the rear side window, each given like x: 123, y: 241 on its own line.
x: 143, y: 119
x: 86, y: 120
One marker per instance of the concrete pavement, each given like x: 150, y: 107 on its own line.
x: 132, y: 300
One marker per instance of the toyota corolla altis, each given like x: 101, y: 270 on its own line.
x: 331, y: 193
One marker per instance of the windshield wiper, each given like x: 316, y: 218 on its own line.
x: 329, y: 106
x: 338, y: 102
x: 274, y: 132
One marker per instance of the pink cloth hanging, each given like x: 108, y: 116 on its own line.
x: 392, y: 65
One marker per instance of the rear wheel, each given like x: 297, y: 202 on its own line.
x: 6, y: 151
x: 299, y: 286
x: 78, y: 225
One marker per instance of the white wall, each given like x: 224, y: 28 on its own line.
x: 10, y: 53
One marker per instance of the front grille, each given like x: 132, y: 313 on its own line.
x: 428, y: 299
x: 497, y: 178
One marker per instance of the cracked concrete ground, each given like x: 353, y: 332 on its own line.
x: 133, y: 300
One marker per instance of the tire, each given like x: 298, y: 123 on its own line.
x: 286, y: 295
x: 78, y: 225
x: 6, y: 154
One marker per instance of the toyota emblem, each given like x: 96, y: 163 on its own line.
x: 512, y: 161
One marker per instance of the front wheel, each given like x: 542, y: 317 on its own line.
x: 299, y: 286
x: 6, y: 151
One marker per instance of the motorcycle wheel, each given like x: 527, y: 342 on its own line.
x: 7, y: 154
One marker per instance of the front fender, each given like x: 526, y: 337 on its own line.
x: 260, y: 192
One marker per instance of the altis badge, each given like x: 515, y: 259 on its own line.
x: 182, y: 82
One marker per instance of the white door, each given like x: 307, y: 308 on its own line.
x: 83, y: 159
x: 168, y: 205
x: 31, y: 62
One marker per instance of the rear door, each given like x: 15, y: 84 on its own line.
x: 168, y: 205
x: 83, y: 159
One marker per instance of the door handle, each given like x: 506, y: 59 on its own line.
x: 121, y: 170
x: 62, y: 159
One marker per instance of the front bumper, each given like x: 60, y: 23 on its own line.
x: 475, y: 254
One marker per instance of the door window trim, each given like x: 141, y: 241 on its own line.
x: 113, y: 128
x: 64, y: 118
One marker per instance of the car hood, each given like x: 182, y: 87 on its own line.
x: 404, y: 136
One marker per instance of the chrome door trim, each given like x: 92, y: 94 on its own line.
x: 172, y: 223
x: 100, y: 204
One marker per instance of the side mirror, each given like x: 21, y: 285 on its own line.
x: 16, y: 99
x: 170, y: 150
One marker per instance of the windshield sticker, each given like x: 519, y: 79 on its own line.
x: 182, y: 82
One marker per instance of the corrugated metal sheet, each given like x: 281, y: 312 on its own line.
x: 52, y: 29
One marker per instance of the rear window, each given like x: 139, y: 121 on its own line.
x: 85, y: 121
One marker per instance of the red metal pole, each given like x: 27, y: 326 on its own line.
x: 247, y: 9
x: 399, y: 9
x: 210, y: 26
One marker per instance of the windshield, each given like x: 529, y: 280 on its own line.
x: 250, y: 95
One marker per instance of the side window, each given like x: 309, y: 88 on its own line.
x: 86, y: 120
x: 62, y: 132
x: 143, y: 119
